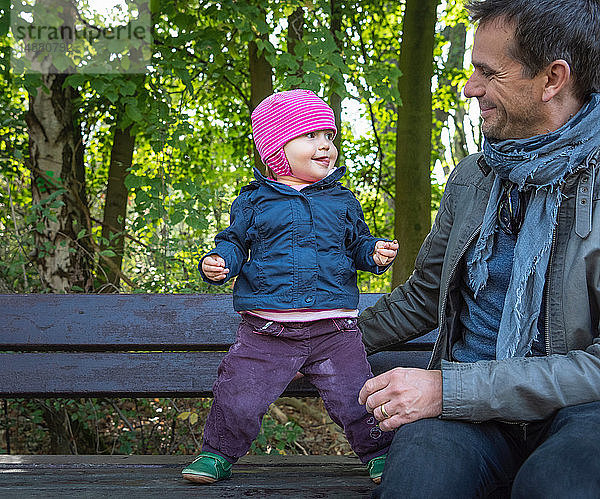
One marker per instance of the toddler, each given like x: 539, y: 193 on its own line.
x: 295, y: 241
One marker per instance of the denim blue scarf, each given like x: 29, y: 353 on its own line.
x: 538, y: 164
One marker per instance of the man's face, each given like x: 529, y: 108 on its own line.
x: 510, y: 103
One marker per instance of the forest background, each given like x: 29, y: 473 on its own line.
x: 118, y: 181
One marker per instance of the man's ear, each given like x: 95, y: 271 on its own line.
x: 558, y: 77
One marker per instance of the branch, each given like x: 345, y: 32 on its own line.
x: 121, y: 415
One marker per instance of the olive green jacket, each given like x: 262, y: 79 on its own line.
x: 515, y: 389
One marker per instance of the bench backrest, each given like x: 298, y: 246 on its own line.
x: 132, y: 345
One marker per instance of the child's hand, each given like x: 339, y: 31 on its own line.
x: 385, y: 252
x: 213, y: 267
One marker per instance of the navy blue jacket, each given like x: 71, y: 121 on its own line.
x: 295, y: 249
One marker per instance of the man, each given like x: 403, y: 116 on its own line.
x: 510, y: 274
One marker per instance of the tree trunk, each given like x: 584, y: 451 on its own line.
x: 57, y: 173
x: 457, y: 36
x: 335, y: 99
x: 58, y: 188
x: 115, y: 205
x: 261, y: 83
x: 294, y: 36
x: 58, y: 422
x: 413, y: 135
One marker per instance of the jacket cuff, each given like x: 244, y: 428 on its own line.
x: 454, y: 389
x: 467, y: 391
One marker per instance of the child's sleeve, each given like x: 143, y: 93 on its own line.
x: 359, y: 241
x: 232, y: 244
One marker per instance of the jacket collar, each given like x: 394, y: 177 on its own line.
x: 328, y: 181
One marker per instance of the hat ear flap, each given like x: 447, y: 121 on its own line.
x: 278, y: 162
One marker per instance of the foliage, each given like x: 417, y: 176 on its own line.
x: 157, y: 426
x: 190, y: 116
x: 276, y: 438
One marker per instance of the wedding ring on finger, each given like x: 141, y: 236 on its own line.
x: 384, y: 412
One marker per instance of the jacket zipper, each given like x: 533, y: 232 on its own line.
x: 547, y: 318
x: 445, y: 295
x: 443, y: 308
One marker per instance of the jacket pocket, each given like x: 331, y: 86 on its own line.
x: 346, y: 324
x: 258, y: 325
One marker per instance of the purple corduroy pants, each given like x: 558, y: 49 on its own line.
x: 262, y: 362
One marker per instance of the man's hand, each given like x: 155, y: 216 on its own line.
x: 402, y: 396
x: 385, y: 252
x: 213, y: 267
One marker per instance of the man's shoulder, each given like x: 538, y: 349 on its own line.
x: 470, y: 170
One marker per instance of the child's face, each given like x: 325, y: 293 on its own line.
x: 312, y: 155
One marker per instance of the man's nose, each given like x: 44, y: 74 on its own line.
x: 473, y: 87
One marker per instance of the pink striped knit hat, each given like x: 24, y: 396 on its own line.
x: 284, y: 116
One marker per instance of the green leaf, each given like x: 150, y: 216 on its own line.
x: 108, y: 253
x: 177, y: 217
x: 133, y: 112
x: 75, y: 80
x: 132, y: 181
x: 112, y: 95
x: 128, y: 88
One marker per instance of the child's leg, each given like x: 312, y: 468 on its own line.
x: 254, y: 373
x: 338, y: 367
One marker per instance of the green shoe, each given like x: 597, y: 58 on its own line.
x: 207, y: 468
x: 375, y: 467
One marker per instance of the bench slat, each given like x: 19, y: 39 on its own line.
x: 272, y: 476
x: 129, y: 322
x: 183, y: 374
x: 123, y: 321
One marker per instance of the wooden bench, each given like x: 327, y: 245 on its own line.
x: 146, y: 346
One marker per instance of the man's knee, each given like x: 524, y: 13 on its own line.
x: 566, y: 464
x: 556, y: 477
x: 438, y: 458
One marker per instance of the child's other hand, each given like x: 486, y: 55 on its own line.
x: 385, y: 252
x: 213, y: 267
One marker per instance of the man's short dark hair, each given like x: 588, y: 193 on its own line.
x: 547, y: 30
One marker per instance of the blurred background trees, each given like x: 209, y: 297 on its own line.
x: 119, y: 182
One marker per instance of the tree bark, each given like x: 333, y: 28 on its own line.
x: 294, y: 36
x: 115, y: 205
x: 261, y: 83
x: 457, y: 36
x: 335, y: 99
x: 57, y: 171
x: 413, y: 135
x: 58, y: 422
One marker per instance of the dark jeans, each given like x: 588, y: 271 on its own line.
x: 557, y: 458
x: 262, y: 362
